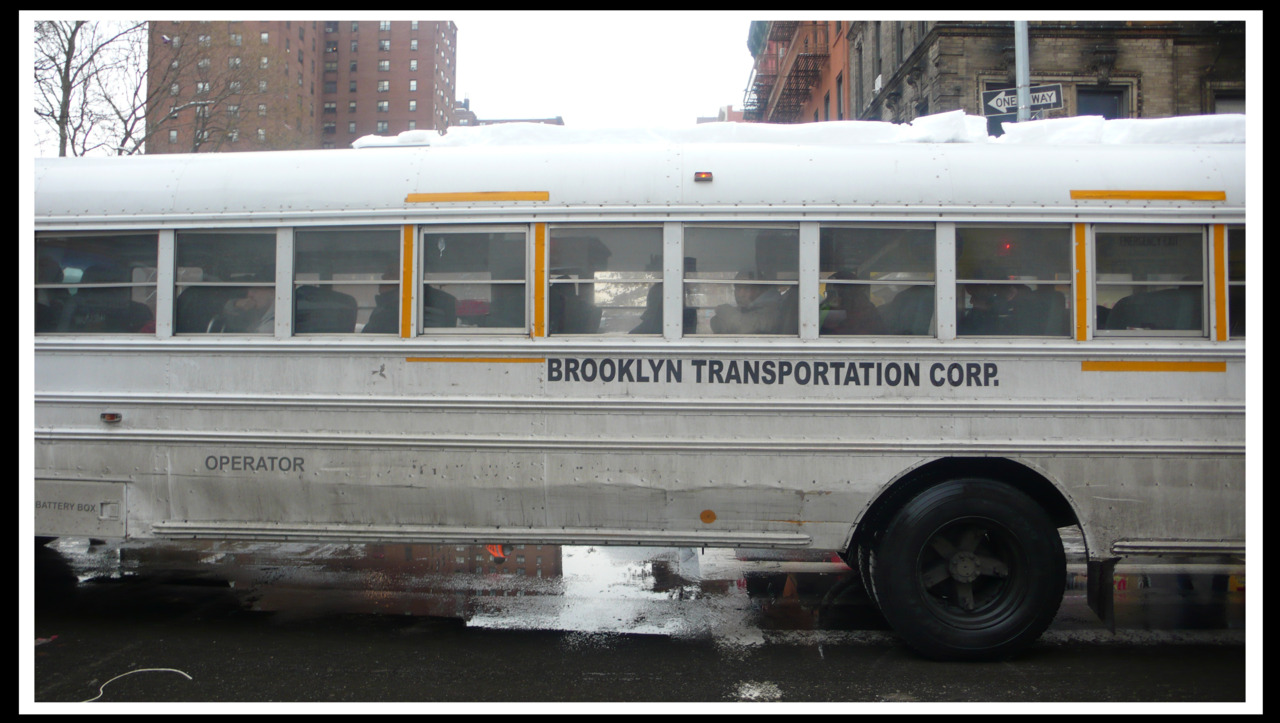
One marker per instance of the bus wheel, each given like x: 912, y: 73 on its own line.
x: 970, y: 569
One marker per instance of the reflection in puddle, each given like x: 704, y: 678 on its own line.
x: 665, y: 591
x: 732, y: 596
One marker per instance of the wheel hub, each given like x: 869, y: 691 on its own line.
x: 963, y: 567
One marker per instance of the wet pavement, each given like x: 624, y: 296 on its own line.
x: 735, y: 606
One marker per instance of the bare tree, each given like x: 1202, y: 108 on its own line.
x: 72, y: 57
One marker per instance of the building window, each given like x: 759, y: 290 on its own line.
x: 1109, y: 102
x: 413, y: 44
x: 351, y: 126
x: 839, y: 93
x: 173, y: 136
x: 236, y: 39
x: 384, y: 86
x: 384, y: 45
x: 384, y: 65
x: 413, y: 64
x: 384, y: 106
x: 413, y: 105
x: 264, y: 38
x: 1228, y: 101
x: 384, y: 25
x: 262, y: 110
x: 413, y: 85
x: 382, y: 127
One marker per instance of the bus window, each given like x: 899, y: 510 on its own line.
x: 346, y: 280
x: 877, y: 280
x: 1235, y: 282
x: 226, y: 282
x: 1150, y: 279
x: 474, y: 279
x: 743, y: 280
x: 96, y: 284
x: 605, y: 280
x: 1013, y: 280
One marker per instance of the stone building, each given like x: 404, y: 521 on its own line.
x: 897, y: 71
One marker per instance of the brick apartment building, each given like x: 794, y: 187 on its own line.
x: 274, y: 85
x: 897, y: 71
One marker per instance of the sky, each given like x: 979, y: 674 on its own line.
x: 613, y: 69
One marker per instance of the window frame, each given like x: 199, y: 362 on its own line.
x: 1097, y: 284
x: 419, y: 271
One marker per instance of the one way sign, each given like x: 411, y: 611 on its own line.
x: 1043, y: 97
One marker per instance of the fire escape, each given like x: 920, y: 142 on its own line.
x: 793, y: 58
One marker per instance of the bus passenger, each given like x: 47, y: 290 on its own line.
x: 253, y: 313
x: 849, y: 310
x: 385, y: 317
x: 759, y: 310
x: 990, y: 308
x: 49, y: 302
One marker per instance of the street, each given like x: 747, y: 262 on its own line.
x: 238, y: 622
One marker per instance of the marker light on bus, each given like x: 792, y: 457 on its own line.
x: 700, y: 176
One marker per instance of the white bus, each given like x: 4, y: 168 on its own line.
x: 929, y: 356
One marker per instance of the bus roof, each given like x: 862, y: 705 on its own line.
x: 806, y: 169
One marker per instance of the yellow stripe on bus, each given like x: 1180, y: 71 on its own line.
x: 477, y: 196
x: 1220, y: 280
x: 481, y: 359
x: 1100, y: 195
x: 406, y: 298
x: 1082, y: 297
x: 539, y: 279
x: 1152, y: 366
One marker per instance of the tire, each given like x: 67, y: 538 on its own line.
x: 970, y: 569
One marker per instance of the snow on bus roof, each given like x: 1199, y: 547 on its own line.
x: 951, y: 127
